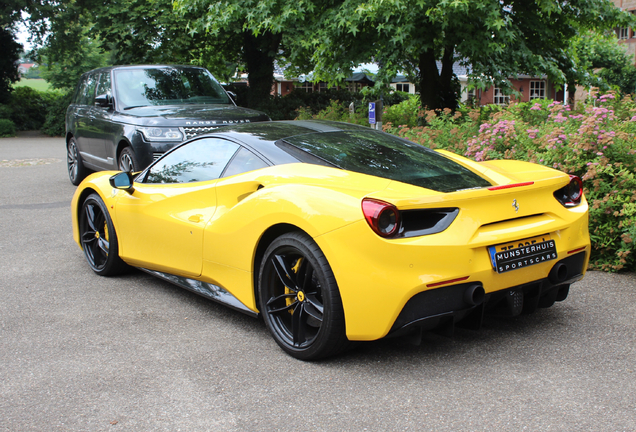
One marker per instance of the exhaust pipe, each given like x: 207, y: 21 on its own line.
x: 474, y: 295
x: 558, y: 274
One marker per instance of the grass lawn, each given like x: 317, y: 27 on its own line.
x: 38, y: 84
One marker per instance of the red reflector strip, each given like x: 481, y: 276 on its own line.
x: 447, y: 282
x: 508, y: 186
x: 577, y: 250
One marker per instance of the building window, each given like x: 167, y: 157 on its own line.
x: 537, y: 90
x: 403, y: 87
x: 307, y: 86
x: 323, y: 86
x: 354, y: 87
x: 501, y: 98
x: 623, y: 33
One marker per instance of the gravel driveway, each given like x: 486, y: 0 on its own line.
x: 83, y: 353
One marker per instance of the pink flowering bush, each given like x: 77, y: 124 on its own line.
x: 595, y: 141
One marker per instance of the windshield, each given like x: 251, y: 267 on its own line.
x: 138, y: 87
x: 387, y: 156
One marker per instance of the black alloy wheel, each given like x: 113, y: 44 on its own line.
x: 300, y: 300
x: 98, y: 238
x: 127, y: 160
x: 76, y: 170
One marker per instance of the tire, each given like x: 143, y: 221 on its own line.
x: 98, y: 238
x: 76, y: 170
x: 127, y: 160
x: 299, y: 298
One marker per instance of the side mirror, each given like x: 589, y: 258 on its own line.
x: 122, y: 180
x: 104, y: 101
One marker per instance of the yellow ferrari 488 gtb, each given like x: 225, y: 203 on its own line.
x: 334, y: 232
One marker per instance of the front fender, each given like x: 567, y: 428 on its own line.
x: 94, y: 183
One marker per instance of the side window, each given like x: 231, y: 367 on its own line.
x: 201, y: 160
x: 88, y: 90
x: 104, y: 84
x: 79, y: 91
x: 244, y: 161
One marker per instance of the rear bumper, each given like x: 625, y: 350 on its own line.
x: 377, y: 278
x: 455, y: 304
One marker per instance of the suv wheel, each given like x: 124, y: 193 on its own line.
x: 76, y: 169
x: 127, y: 160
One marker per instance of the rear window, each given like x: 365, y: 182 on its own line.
x: 384, y: 155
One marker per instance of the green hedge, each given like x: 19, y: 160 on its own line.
x: 287, y: 107
x: 7, y: 128
x: 30, y: 109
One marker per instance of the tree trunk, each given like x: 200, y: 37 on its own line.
x: 259, y: 53
x: 449, y: 82
x: 429, y: 80
x: 438, y: 90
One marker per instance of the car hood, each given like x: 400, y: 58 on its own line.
x: 192, y: 115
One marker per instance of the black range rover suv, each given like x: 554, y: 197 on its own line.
x: 124, y: 117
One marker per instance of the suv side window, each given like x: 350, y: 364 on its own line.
x: 201, y: 160
x: 77, y: 97
x: 104, y: 84
x: 87, y: 92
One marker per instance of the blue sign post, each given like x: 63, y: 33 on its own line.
x: 372, y: 113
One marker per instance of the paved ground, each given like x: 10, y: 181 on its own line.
x: 84, y: 353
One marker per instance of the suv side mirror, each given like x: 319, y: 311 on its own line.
x: 104, y: 100
x: 122, y: 180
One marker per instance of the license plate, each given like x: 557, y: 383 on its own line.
x: 523, y: 253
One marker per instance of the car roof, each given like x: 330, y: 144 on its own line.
x: 263, y: 136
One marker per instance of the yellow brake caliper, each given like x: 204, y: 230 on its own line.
x: 106, y: 231
x: 290, y: 300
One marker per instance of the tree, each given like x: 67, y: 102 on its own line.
x: 10, y: 13
x: 606, y: 60
x: 11, y: 51
x: 259, y: 31
x: 499, y: 39
x: 77, y: 36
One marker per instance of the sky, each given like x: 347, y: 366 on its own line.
x: 23, y: 34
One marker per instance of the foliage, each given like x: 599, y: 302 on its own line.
x: 236, y: 28
x: 30, y: 109
x: 405, y: 113
x: 606, y: 61
x: 498, y: 39
x: 62, y: 70
x: 7, y: 128
x: 596, y: 141
x: 301, y: 104
x: 8, y: 63
x: 54, y: 123
x: 285, y: 107
x: 336, y: 111
x: 79, y: 36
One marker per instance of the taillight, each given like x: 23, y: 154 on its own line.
x: 571, y: 194
x: 382, y: 217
